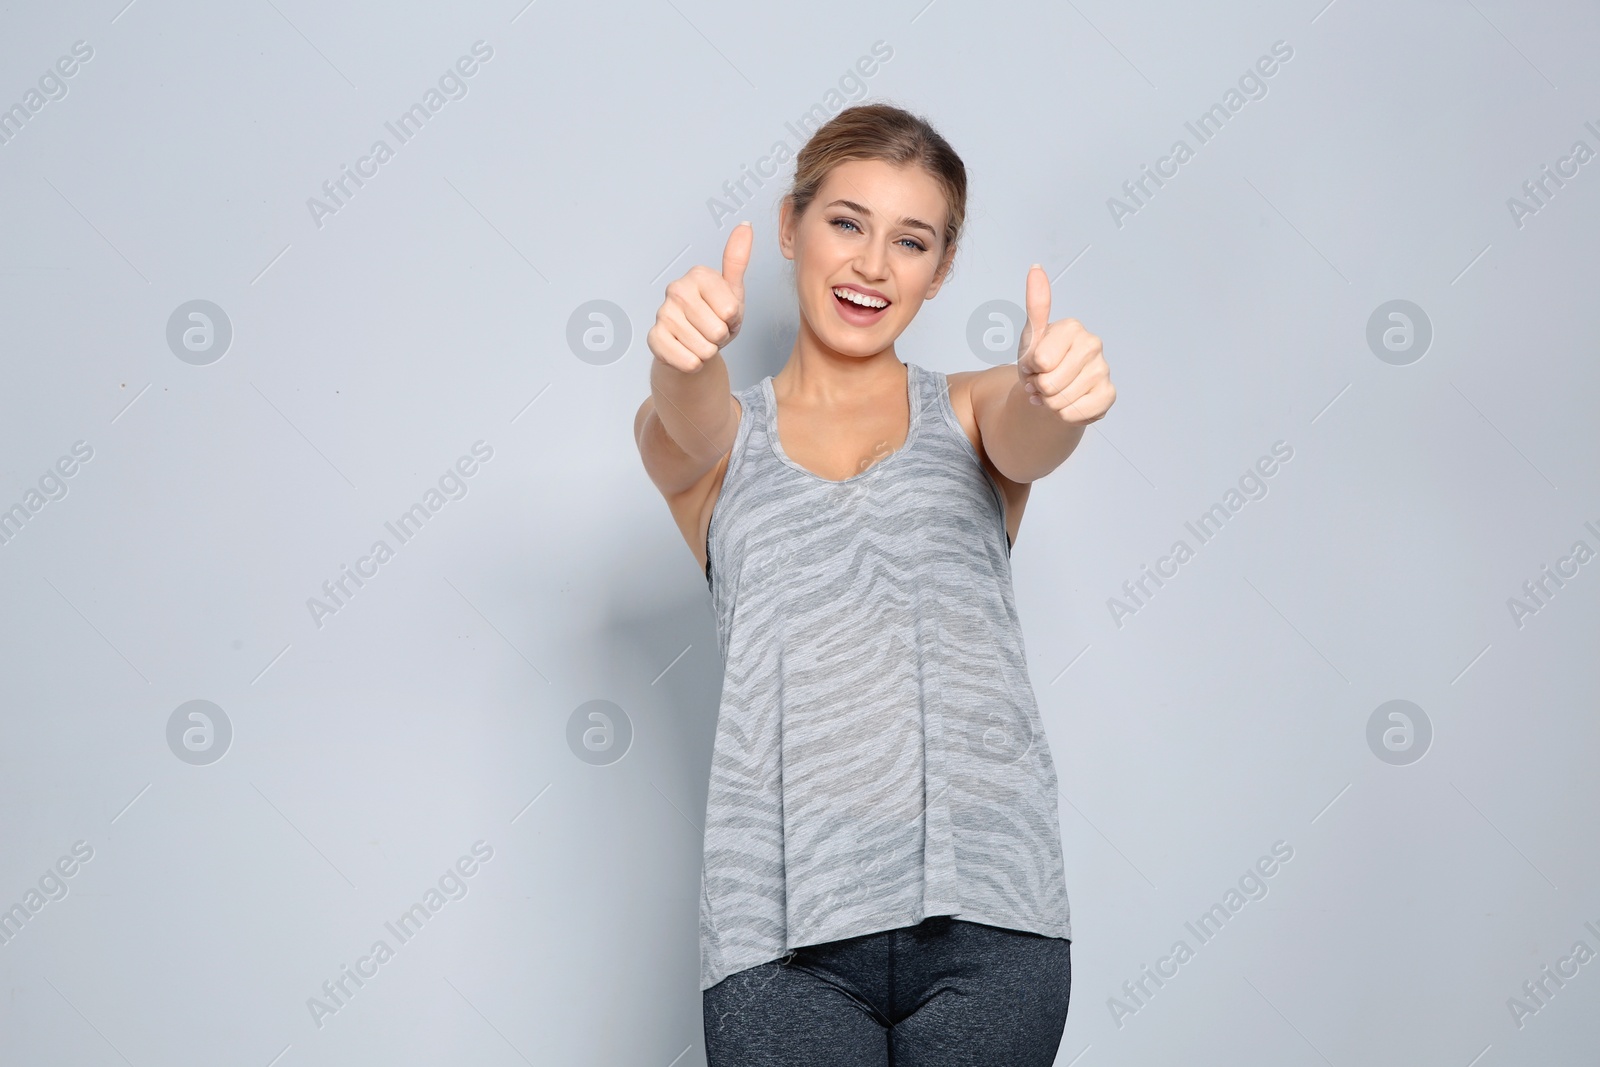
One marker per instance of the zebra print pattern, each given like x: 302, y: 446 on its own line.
x: 879, y: 756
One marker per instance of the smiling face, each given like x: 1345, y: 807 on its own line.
x: 874, y: 230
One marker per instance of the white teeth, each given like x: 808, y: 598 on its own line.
x: 858, y: 298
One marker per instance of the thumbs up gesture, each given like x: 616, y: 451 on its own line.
x: 703, y: 309
x: 1060, y: 363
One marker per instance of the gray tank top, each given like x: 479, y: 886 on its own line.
x: 879, y: 756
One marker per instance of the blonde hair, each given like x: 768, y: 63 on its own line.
x: 891, y: 134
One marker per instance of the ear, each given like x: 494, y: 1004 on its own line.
x: 942, y: 273
x: 786, y: 227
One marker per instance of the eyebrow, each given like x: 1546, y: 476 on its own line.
x: 906, y: 221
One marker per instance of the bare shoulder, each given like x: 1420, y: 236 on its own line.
x: 969, y: 386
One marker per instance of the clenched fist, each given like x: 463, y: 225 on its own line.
x: 1060, y: 363
x: 703, y: 309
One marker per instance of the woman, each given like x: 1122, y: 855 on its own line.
x: 882, y: 877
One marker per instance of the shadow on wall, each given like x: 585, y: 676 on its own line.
x: 665, y: 676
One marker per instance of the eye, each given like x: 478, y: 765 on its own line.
x: 915, y: 244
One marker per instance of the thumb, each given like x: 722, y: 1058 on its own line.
x: 1038, y: 298
x: 736, y: 256
x: 1038, y: 307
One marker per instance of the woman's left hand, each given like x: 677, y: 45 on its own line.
x: 1060, y: 363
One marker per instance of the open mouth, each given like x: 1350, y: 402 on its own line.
x: 857, y: 307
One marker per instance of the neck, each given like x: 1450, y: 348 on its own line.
x: 821, y: 375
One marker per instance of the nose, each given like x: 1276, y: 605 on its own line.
x: 873, y: 263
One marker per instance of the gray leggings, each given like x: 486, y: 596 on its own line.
x: 943, y: 993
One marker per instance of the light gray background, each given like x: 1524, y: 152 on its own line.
x: 433, y: 710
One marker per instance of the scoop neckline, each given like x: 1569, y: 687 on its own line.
x: 912, y: 407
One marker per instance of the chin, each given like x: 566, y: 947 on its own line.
x: 848, y: 340
x: 858, y: 343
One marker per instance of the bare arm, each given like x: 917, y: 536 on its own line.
x: 1024, y: 441
x: 686, y: 424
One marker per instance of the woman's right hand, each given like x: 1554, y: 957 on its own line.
x: 703, y: 309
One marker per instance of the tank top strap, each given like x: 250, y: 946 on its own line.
x: 940, y: 413
x: 752, y: 426
x: 747, y: 438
